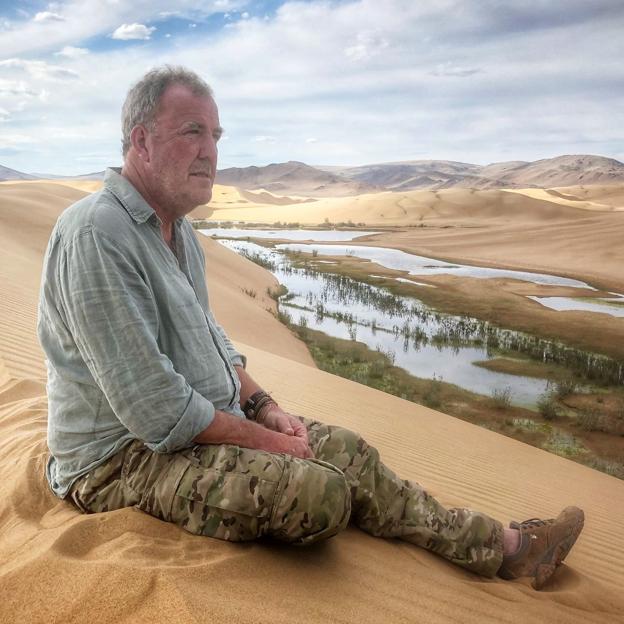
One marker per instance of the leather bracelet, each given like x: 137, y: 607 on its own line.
x: 261, y: 413
x: 255, y: 402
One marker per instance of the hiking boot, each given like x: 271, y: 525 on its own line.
x: 544, y: 544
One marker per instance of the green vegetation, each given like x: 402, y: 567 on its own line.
x: 564, y: 444
x: 548, y: 407
x: 354, y: 360
x: 501, y: 397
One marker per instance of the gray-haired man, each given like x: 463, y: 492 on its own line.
x: 150, y: 404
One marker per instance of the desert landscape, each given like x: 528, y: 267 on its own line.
x: 124, y: 566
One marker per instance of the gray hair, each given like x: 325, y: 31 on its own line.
x: 143, y: 98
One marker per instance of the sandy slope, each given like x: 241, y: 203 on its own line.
x: 126, y: 567
x: 59, y: 566
x: 28, y: 211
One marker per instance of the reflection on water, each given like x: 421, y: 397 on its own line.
x: 420, y: 265
x: 296, y: 235
x: 569, y: 303
x: 417, y: 338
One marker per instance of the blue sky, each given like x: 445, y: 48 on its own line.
x: 325, y: 82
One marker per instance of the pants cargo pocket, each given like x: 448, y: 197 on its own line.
x: 223, y: 504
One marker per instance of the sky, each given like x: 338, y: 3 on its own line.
x: 324, y: 82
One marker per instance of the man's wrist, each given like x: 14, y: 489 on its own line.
x: 257, y: 406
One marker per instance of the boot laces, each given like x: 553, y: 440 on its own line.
x: 534, y: 523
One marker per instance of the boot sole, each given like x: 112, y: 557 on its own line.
x: 556, y: 554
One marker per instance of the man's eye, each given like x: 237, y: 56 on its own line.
x: 192, y: 131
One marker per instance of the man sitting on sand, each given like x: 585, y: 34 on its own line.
x: 149, y: 402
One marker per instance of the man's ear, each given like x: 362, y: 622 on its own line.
x: 138, y: 139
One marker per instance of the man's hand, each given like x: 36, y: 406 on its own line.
x: 276, y: 419
x: 229, y: 429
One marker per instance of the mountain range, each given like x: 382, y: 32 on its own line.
x: 298, y: 178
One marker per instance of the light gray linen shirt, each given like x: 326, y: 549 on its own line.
x: 132, y: 348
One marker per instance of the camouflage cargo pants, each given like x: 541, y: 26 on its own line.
x: 241, y: 494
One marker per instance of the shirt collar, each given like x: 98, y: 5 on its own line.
x: 128, y: 196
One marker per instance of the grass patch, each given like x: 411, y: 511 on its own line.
x: 526, y: 367
x: 608, y: 466
x: 563, y: 444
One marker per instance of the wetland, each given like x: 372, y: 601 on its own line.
x: 369, y: 327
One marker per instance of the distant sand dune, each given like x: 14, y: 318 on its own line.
x: 413, y: 207
x: 573, y: 201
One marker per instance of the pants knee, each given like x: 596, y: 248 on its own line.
x: 315, y: 503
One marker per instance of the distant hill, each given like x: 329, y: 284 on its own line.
x: 297, y: 178
x: 11, y: 174
x: 562, y: 171
x: 440, y: 174
x: 7, y: 174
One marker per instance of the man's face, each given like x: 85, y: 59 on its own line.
x: 182, y: 148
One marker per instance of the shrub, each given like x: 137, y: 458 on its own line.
x: 565, y: 388
x: 377, y: 368
x: 502, y: 397
x: 590, y: 420
x: 284, y: 317
x: 547, y: 406
x: 431, y: 396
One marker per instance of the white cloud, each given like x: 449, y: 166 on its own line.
x: 311, y: 140
x: 245, y: 15
x: 452, y: 70
x: 39, y: 69
x: 48, y: 16
x: 72, y: 52
x: 264, y: 139
x: 368, y: 44
x: 10, y: 140
x: 18, y: 88
x: 84, y: 19
x: 4, y: 114
x: 127, y: 32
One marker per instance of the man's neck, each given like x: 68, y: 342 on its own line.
x: 137, y: 179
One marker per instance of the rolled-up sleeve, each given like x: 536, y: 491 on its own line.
x: 111, y: 313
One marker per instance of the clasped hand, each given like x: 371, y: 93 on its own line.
x: 276, y: 419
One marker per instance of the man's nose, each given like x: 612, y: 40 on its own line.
x: 209, y: 148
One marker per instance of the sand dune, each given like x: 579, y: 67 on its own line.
x: 129, y: 567
x: 529, y: 229
x: 463, y: 206
x: 57, y: 565
x: 565, y: 197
